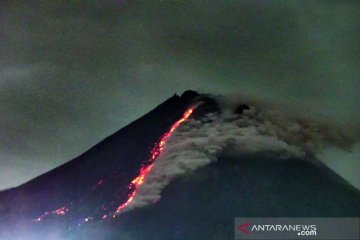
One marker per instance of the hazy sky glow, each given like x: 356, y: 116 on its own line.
x: 71, y: 74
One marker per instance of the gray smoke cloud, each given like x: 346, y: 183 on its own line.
x: 72, y: 73
x: 198, y: 143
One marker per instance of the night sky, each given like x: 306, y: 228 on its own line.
x: 74, y: 72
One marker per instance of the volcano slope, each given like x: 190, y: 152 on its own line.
x: 204, y: 203
x: 177, y: 173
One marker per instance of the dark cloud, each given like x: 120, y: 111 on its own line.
x: 73, y: 73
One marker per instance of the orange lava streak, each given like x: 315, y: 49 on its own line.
x: 59, y: 212
x: 156, y: 151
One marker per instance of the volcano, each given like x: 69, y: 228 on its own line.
x: 182, y: 171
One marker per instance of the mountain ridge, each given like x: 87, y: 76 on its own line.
x: 80, y: 199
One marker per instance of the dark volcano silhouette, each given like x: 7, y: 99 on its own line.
x: 200, y: 205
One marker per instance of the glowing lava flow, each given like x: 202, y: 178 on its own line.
x: 145, y: 169
x: 156, y: 151
x: 59, y: 212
